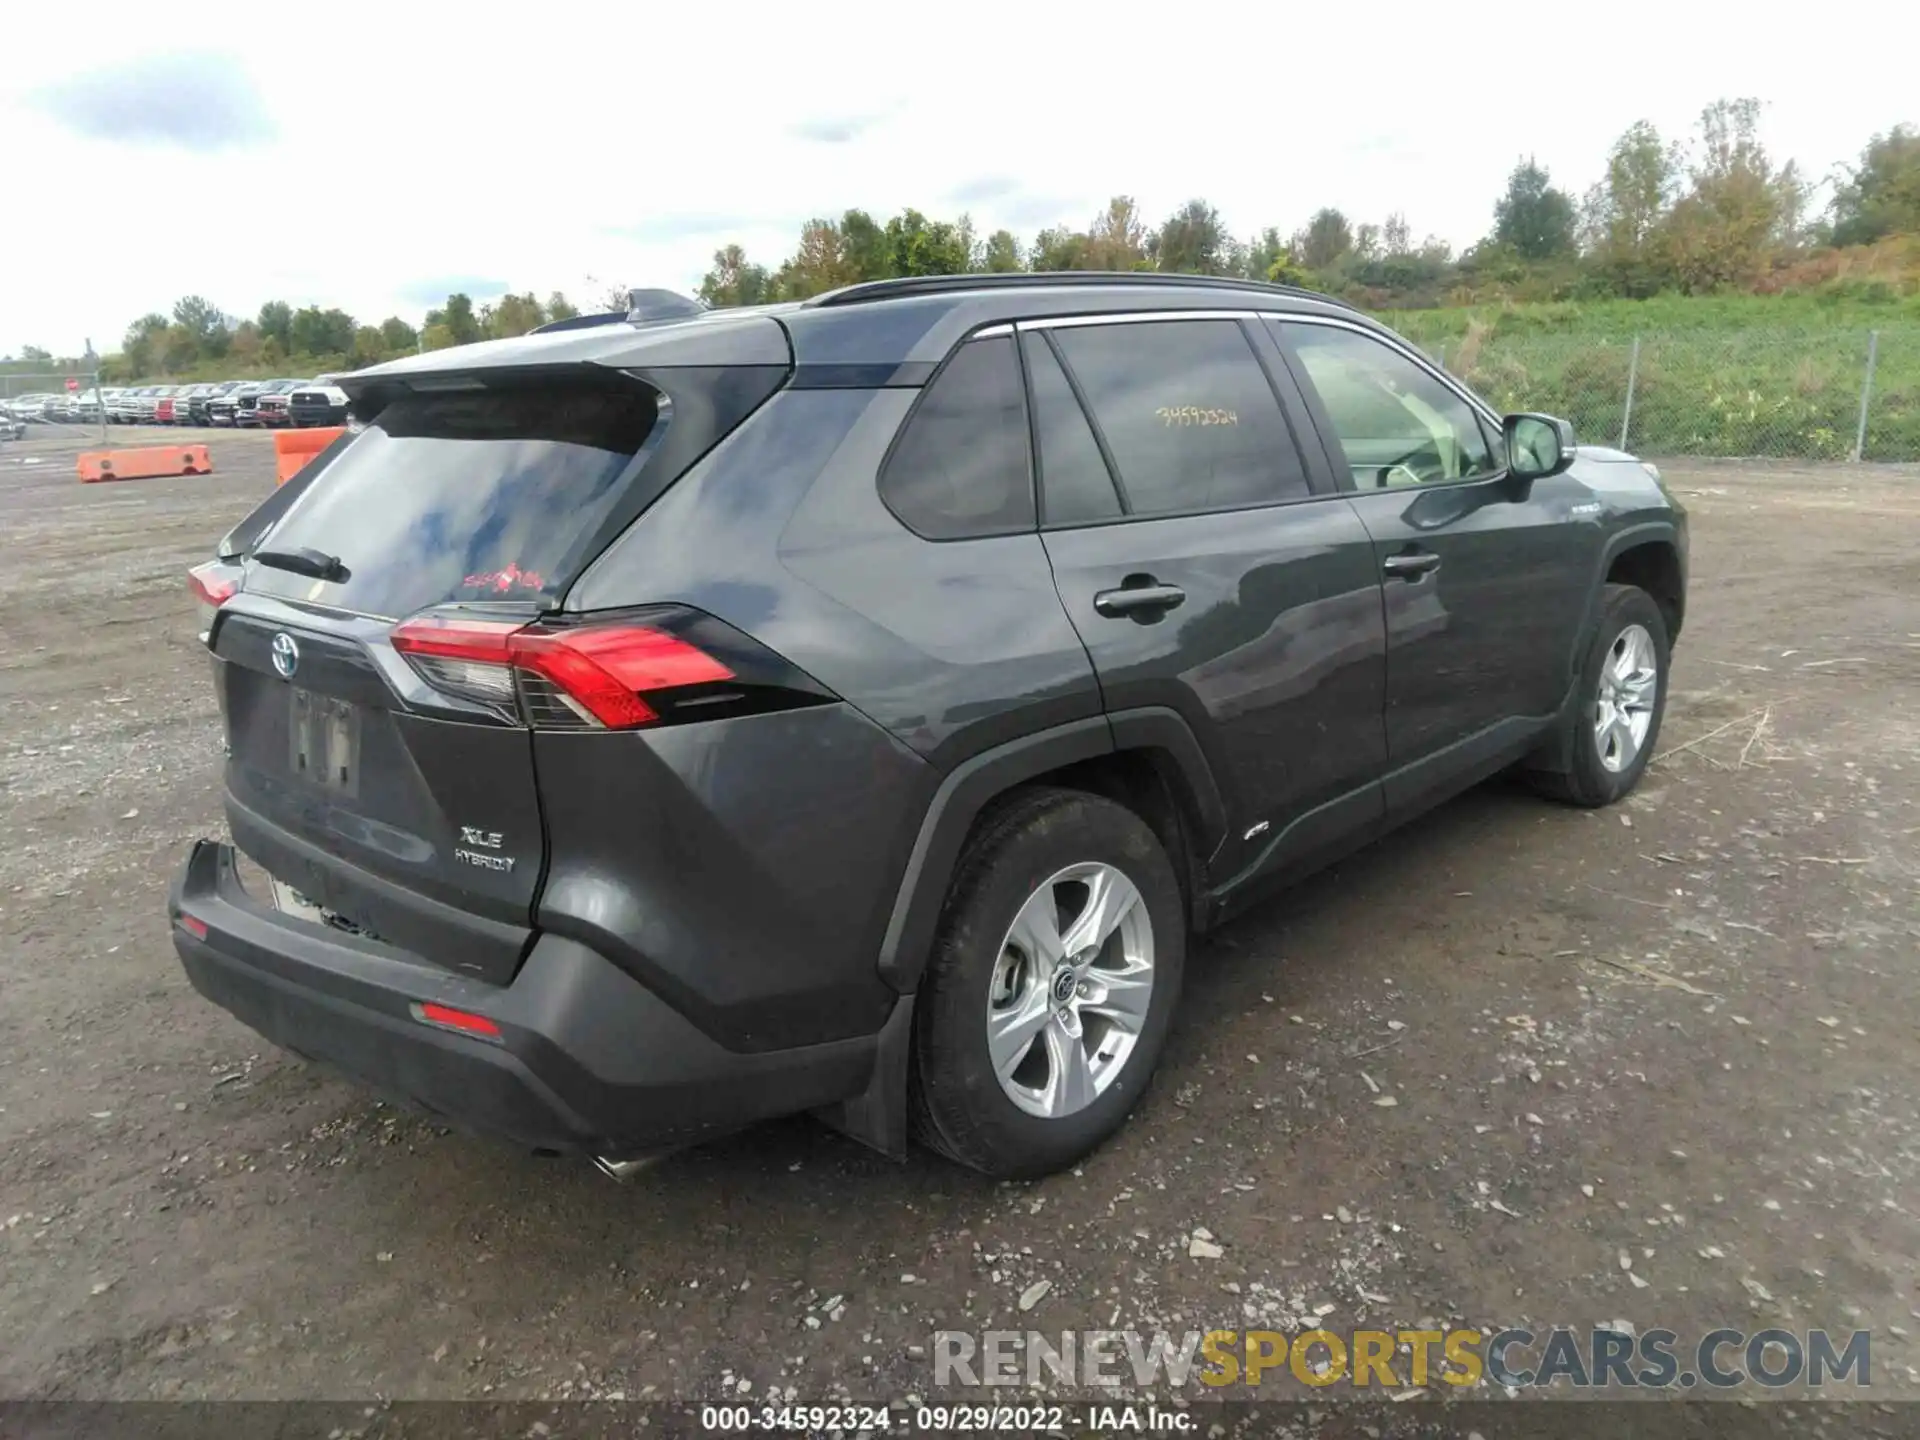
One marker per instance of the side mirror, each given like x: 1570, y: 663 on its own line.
x: 1537, y: 445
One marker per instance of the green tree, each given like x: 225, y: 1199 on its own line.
x: 461, y: 323
x: 561, y: 308
x: 864, y: 247
x: 734, y: 280
x: 437, y: 335
x: 318, y: 332
x: 820, y: 263
x: 1623, y: 213
x: 397, y: 337
x: 202, y: 319
x: 145, y: 344
x: 1263, y: 252
x: 1533, y: 219
x: 369, y: 347
x: 34, y: 352
x: 1192, y: 241
x: 514, y: 315
x: 1118, y: 238
x: 919, y: 246
x: 1880, y: 196
x: 1327, y: 239
x: 1739, y: 207
x: 1002, y: 253
x: 1059, y: 248
x: 276, y: 322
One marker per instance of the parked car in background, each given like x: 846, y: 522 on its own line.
x: 163, y: 405
x: 274, y: 406
x: 222, y: 406
x: 12, y: 426
x: 125, y: 408
x: 31, y: 406
x: 317, y: 403
x: 199, y: 406
x: 247, y: 410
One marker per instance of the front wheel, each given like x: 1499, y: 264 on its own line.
x: 1051, y: 987
x: 1623, y: 694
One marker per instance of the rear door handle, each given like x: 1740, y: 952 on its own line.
x: 1135, y: 599
x: 1412, y: 565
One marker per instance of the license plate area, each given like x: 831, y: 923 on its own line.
x: 324, y: 742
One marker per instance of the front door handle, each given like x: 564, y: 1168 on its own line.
x: 1138, y: 600
x: 1412, y: 565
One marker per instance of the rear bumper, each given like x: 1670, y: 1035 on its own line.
x: 588, y: 1059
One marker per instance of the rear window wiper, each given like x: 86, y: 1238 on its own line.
x: 316, y: 564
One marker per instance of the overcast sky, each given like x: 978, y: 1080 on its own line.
x: 375, y: 158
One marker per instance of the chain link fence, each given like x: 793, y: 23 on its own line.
x: 1784, y: 393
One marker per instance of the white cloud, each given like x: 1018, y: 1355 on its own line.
x: 362, y: 156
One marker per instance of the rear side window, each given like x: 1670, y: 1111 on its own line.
x: 959, y: 469
x: 1187, y: 414
x: 471, y: 495
x: 1075, y: 486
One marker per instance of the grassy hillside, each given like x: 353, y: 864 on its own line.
x: 1758, y: 375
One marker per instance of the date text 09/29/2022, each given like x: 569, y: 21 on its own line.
x: 953, y: 1419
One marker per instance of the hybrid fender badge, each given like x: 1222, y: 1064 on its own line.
x: 286, y: 655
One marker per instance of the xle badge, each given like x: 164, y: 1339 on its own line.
x: 475, y: 843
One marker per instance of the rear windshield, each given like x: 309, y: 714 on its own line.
x: 467, y: 496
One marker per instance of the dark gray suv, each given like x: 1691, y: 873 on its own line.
x: 683, y: 718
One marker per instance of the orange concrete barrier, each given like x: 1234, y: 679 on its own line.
x: 292, y: 449
x: 99, y: 465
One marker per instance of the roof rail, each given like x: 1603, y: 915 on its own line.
x: 1032, y: 279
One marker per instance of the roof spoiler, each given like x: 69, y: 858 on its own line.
x: 642, y: 306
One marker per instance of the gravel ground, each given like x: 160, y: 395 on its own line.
x: 1517, y: 1065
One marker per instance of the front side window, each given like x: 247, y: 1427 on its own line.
x: 959, y: 469
x: 1187, y: 414
x: 1397, y: 424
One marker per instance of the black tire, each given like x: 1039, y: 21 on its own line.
x: 957, y: 1103
x: 1585, y: 779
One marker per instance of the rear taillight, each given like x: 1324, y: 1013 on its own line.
x: 592, y: 676
x: 213, y: 583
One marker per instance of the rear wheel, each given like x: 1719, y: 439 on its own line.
x: 1051, y: 986
x: 1623, y: 694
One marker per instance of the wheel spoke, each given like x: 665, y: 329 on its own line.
x: 1110, y: 895
x: 1070, y: 1081
x: 1036, y: 931
x: 1010, y: 1032
x: 1121, y: 996
x: 1623, y: 736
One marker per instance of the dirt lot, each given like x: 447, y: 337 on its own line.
x: 1678, y: 1036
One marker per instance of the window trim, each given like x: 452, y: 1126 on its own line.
x: 1079, y: 394
x: 1323, y: 421
x: 1245, y: 321
x: 998, y: 331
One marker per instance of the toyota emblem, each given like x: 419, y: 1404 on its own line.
x: 286, y: 655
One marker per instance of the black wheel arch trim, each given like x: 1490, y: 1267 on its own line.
x: 1618, y: 543
x: 976, y: 782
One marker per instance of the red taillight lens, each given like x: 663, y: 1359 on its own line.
x: 193, y: 925
x: 464, y: 1021
x: 212, y: 583
x: 602, y: 671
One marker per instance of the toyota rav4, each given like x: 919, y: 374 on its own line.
x: 680, y: 718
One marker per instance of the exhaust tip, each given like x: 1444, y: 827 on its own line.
x: 624, y: 1169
